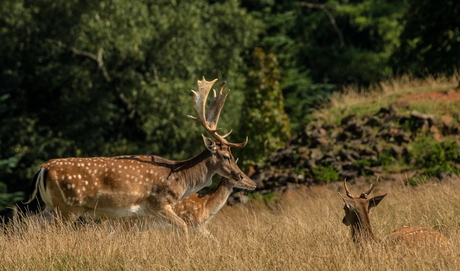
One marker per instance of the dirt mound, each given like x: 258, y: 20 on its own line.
x: 359, y: 148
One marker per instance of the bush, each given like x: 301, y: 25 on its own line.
x: 326, y: 173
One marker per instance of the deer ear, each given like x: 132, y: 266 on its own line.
x: 375, y: 201
x: 210, y: 144
x: 348, y: 202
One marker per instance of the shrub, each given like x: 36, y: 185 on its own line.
x: 326, y: 173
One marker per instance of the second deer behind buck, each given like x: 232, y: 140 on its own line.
x: 357, y: 217
x: 197, y: 210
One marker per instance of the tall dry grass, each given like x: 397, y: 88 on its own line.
x: 303, y: 232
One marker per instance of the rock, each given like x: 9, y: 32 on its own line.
x: 316, y: 154
x: 384, y: 111
x: 402, y: 137
x: 348, y: 174
x: 373, y: 122
x: 347, y: 119
x: 373, y: 170
x: 343, y: 136
x: 447, y: 176
x: 447, y: 120
x: 319, y: 133
x: 398, y: 151
x: 417, y: 115
x: 311, y: 163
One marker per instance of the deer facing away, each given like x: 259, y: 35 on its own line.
x: 357, y: 217
x: 140, y: 185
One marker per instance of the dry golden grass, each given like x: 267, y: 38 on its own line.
x: 303, y: 232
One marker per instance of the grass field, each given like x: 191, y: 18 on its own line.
x: 302, y: 232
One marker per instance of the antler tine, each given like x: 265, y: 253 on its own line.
x: 365, y: 194
x: 210, y: 119
x: 346, y: 189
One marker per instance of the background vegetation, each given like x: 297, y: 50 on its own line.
x: 109, y: 77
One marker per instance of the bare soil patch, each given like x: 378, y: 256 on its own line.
x: 445, y: 95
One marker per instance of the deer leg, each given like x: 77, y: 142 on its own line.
x: 206, y: 234
x: 169, y: 215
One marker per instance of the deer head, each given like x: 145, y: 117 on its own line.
x: 357, y: 217
x: 209, y: 118
x: 357, y: 212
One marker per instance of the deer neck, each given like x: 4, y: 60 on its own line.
x: 196, y: 172
x: 217, y: 199
x: 214, y: 201
x: 361, y: 230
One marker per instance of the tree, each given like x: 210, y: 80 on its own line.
x: 430, y: 41
x: 109, y: 77
x: 324, y: 45
x: 266, y: 123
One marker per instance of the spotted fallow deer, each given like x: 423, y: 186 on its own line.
x: 357, y: 217
x: 197, y: 210
x: 140, y: 185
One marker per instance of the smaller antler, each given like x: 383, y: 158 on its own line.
x: 346, y: 189
x: 210, y: 119
x: 365, y: 194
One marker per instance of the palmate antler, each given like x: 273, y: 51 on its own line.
x: 210, y: 118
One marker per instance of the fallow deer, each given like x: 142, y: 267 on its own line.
x: 357, y: 217
x: 140, y: 185
x: 197, y: 210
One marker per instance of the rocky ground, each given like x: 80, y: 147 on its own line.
x: 354, y: 149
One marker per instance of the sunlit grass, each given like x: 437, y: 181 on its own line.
x: 368, y: 101
x: 303, y: 232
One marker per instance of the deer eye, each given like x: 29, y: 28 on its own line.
x: 226, y: 157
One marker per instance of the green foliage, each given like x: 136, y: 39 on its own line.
x: 326, y: 173
x: 430, y: 41
x: 430, y: 153
x: 267, y: 198
x: 414, y: 181
x: 109, y: 77
x: 385, y: 158
x: 304, y: 99
x: 322, y: 46
x: 264, y: 102
x: 434, y: 157
x: 442, y: 167
x: 363, y: 163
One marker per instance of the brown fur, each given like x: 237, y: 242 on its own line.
x: 357, y: 217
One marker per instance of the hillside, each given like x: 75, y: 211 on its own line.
x: 403, y: 129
